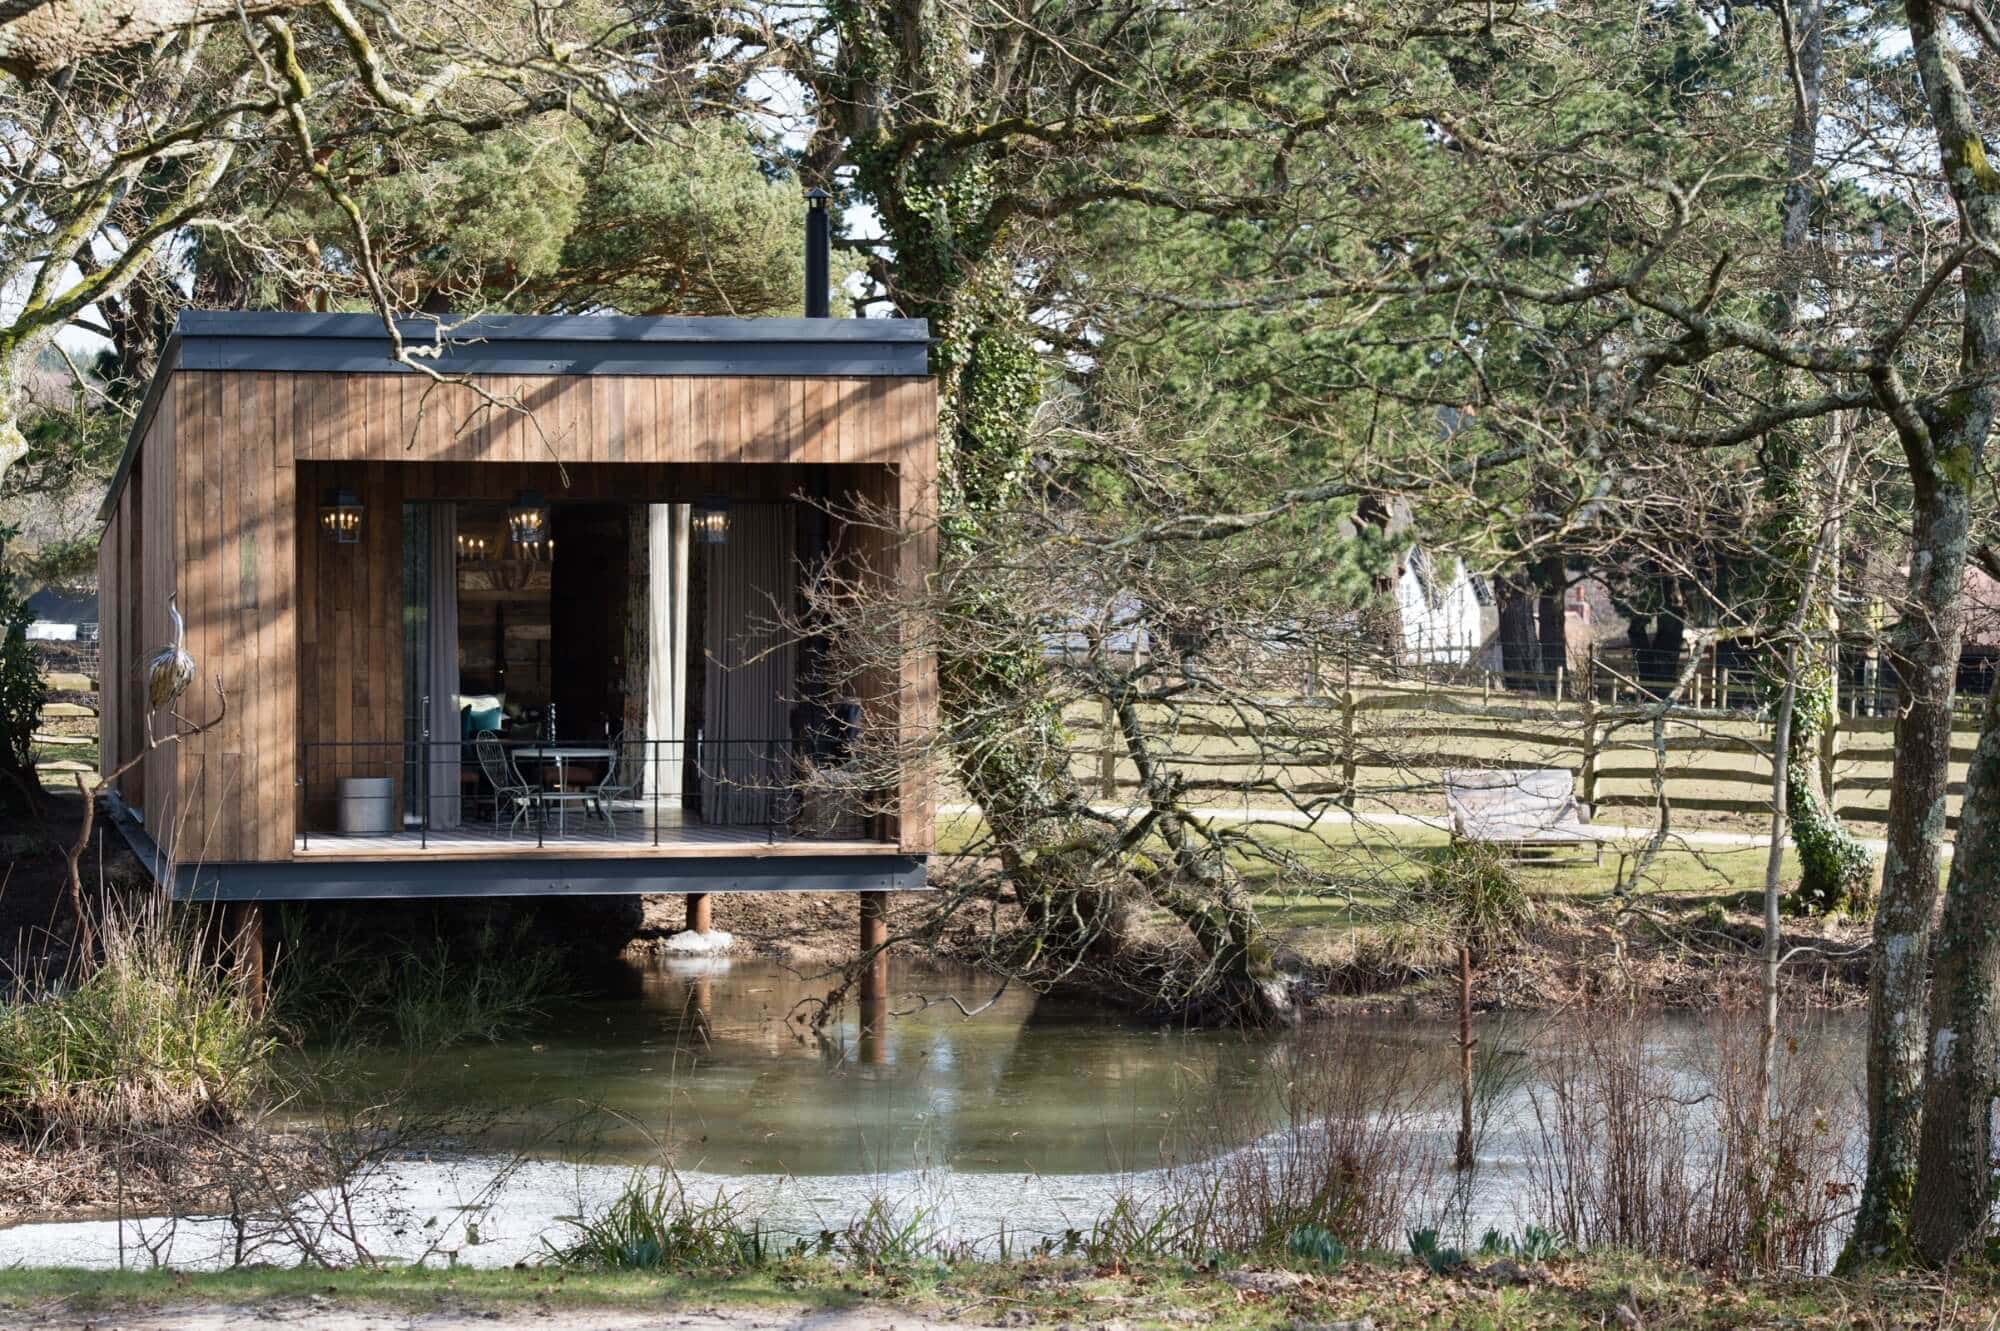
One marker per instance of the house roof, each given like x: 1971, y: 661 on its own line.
x: 531, y: 344
x: 1982, y: 609
x: 556, y: 344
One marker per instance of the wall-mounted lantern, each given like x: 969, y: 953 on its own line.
x: 340, y: 517
x: 528, y: 518
x: 709, y: 521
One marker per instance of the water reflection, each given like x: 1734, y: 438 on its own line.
x: 706, y: 1058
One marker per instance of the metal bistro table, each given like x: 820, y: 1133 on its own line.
x: 562, y: 755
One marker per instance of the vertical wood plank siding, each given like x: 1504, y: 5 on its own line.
x: 222, y: 507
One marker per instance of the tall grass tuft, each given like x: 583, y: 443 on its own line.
x: 652, y: 1225
x: 154, y: 1034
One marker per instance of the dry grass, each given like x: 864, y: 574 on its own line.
x: 152, y: 1034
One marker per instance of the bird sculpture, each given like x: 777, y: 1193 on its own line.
x: 171, y: 669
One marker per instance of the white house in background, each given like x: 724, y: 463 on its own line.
x: 1440, y: 612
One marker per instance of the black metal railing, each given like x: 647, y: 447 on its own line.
x: 627, y: 790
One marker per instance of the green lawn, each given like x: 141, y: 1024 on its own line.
x: 1576, y: 1293
x: 55, y: 753
x: 1344, y: 876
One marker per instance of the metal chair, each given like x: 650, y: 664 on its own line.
x: 620, y: 781
x: 507, y: 782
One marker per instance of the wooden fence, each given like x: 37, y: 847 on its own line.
x: 1382, y: 746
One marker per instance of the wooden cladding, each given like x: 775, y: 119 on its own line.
x: 221, y: 507
x: 601, y: 418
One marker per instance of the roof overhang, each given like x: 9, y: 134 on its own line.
x: 526, y: 344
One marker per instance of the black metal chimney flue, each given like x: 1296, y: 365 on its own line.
x: 819, y: 243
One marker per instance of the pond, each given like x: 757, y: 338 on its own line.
x: 707, y: 1061
x: 984, y: 1121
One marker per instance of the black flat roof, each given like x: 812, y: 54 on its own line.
x: 532, y: 344
x: 555, y: 344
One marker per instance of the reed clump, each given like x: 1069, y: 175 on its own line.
x: 653, y: 1225
x: 422, y: 991
x: 1678, y: 1160
x: 149, y: 1032
x: 1346, y: 1148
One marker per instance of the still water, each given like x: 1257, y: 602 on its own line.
x: 974, y: 1115
x: 715, y: 1061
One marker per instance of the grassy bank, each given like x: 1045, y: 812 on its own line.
x: 1575, y: 1293
x: 1683, y: 933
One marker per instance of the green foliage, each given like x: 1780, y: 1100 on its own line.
x: 1470, y: 896
x: 1837, y: 872
x: 1426, y: 1248
x: 71, y: 562
x: 688, y: 225
x: 22, y: 693
x: 653, y: 1226
x: 886, y: 1235
x: 1313, y: 1245
x: 1535, y: 1244
x: 421, y: 994
x: 70, y: 447
x: 543, y: 216
x: 154, y: 1036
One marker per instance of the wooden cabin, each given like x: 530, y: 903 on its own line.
x: 539, y: 631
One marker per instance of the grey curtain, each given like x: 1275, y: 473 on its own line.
x: 444, y: 757
x: 747, y: 692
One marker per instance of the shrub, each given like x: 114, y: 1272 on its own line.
x: 1349, y: 1155
x: 22, y: 693
x: 1675, y: 1161
x: 153, y: 1036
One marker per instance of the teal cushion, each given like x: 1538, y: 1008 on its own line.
x: 483, y: 719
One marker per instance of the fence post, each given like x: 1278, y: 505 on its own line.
x: 1559, y: 687
x: 1347, y: 763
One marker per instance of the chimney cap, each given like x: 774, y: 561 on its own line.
x: 817, y: 196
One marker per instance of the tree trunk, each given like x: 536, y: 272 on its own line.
x: 1955, y: 1155
x: 1552, y: 613
x: 1465, y: 1159
x: 1519, y: 649
x: 1927, y: 659
x: 1944, y: 446
x: 1774, y: 863
x: 40, y: 37
x: 1834, y: 867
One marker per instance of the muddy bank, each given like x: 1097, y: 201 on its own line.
x: 1673, y: 957
x: 208, y: 1171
